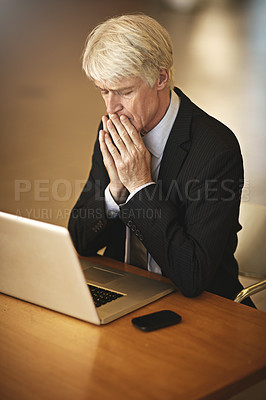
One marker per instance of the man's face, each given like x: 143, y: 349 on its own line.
x: 135, y: 99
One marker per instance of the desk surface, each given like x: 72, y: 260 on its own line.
x: 218, y: 350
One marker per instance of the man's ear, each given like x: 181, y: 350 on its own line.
x: 163, y: 79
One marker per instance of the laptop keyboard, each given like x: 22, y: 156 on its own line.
x: 103, y: 296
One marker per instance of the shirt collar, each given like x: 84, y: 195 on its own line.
x: 155, y: 140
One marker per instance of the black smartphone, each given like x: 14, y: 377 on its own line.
x: 157, y: 320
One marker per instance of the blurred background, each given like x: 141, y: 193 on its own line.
x: 50, y: 111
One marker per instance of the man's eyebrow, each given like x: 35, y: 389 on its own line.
x: 122, y: 89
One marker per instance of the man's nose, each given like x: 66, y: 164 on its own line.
x: 113, y: 103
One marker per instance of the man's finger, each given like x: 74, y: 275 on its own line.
x: 113, y: 150
x: 107, y: 158
x: 130, y: 128
x: 104, y: 121
x: 134, y: 135
x: 119, y: 138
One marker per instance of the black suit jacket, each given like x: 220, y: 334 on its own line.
x: 188, y: 221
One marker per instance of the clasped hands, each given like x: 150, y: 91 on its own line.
x: 124, y: 155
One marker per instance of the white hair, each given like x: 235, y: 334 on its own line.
x: 128, y: 46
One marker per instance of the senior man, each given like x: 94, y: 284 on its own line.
x: 164, y: 188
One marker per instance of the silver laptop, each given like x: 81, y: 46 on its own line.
x: 38, y: 264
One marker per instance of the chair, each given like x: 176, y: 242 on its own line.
x: 250, y: 290
x: 251, y: 250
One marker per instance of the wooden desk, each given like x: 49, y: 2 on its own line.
x: 218, y: 350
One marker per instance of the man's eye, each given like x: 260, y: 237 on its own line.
x: 104, y: 92
x: 127, y: 93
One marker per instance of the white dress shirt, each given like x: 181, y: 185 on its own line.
x: 155, y: 141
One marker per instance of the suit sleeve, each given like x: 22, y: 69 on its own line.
x: 188, y: 240
x: 89, y: 227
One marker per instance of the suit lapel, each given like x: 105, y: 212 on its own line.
x: 175, y: 150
